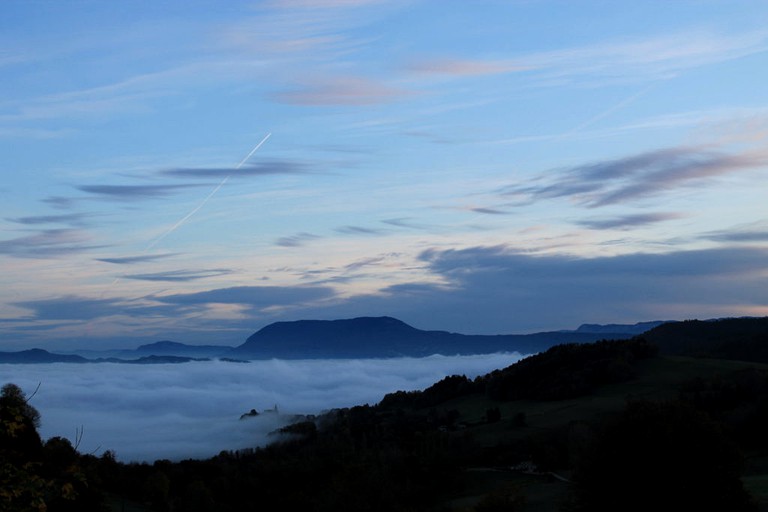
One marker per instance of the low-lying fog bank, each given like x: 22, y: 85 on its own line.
x: 192, y: 410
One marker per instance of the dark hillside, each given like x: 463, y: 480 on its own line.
x: 742, y: 339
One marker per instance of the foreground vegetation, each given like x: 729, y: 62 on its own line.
x: 611, y: 425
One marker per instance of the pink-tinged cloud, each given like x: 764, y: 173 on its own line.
x: 639, y: 176
x: 465, y: 67
x: 341, y: 91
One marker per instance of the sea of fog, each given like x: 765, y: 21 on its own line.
x: 192, y: 410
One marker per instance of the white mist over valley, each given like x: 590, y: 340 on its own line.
x: 192, y: 410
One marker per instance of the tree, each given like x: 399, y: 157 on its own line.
x: 18, y: 424
x: 36, y: 477
x: 21, y: 487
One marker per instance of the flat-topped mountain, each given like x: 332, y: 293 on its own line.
x: 377, y: 337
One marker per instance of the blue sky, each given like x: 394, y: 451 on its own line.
x: 480, y: 167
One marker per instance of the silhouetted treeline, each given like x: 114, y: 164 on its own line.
x: 742, y: 339
x: 561, y: 372
x: 568, y: 371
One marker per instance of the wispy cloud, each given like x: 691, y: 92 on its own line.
x: 638, y: 176
x: 321, y: 4
x: 258, y: 169
x: 658, y: 57
x: 341, y: 90
x: 132, y: 192
x: 255, y: 296
x: 73, y: 219
x: 296, y: 240
x: 756, y: 232
x: 47, y: 244
x: 464, y: 67
x: 365, y: 262
x: 629, y: 221
x: 404, y: 222
x: 71, y: 307
x: 180, y: 275
x: 488, y: 211
x: 130, y: 260
x: 61, y: 203
x: 358, y: 230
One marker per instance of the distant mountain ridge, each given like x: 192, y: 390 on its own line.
x: 174, y: 348
x: 382, y: 337
x: 38, y: 356
x: 362, y: 337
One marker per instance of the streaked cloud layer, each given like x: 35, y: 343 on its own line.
x: 494, y: 169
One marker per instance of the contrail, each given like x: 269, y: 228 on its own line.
x: 611, y: 110
x: 202, y: 203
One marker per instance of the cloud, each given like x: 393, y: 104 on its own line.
x: 72, y: 307
x: 340, y: 91
x: 192, y: 410
x: 322, y: 4
x: 49, y: 243
x: 258, y: 297
x: 356, y: 265
x: 132, y: 192
x: 259, y: 169
x: 629, y: 221
x: 465, y: 67
x: 130, y: 260
x: 74, y: 219
x: 62, y: 203
x: 404, y: 222
x: 658, y: 57
x: 296, y: 240
x: 637, y: 176
x: 488, y: 211
x: 547, y: 290
x: 358, y: 230
x: 757, y: 232
x: 180, y: 275
x: 492, y: 290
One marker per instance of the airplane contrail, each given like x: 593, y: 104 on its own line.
x: 202, y: 203
x: 611, y: 110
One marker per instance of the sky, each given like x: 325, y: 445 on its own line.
x: 192, y: 410
x: 487, y: 167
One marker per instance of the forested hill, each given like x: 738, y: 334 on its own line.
x: 744, y: 339
x: 388, y: 337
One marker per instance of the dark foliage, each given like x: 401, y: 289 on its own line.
x: 568, y: 371
x: 35, y: 476
x: 447, y: 389
x: 739, y: 401
x: 660, y: 456
x: 743, y: 339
